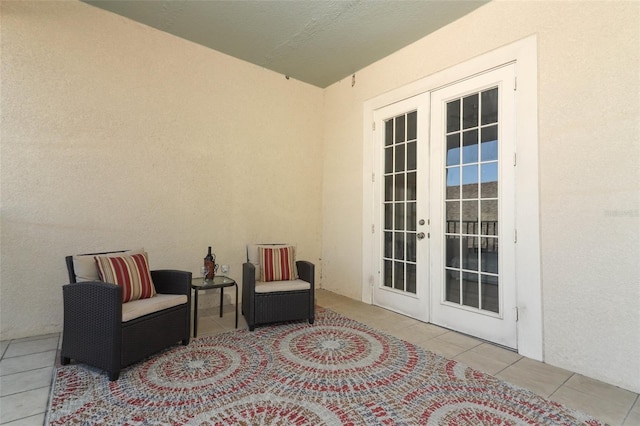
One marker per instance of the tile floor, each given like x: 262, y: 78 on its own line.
x: 26, y: 365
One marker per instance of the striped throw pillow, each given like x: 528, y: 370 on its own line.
x: 129, y: 272
x: 278, y: 264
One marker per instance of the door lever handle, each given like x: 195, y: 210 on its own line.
x: 420, y: 235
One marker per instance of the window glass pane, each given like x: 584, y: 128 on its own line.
x: 399, y: 187
x: 398, y: 245
x: 453, y: 183
x: 411, y: 247
x: 411, y: 216
x: 489, y: 180
x: 388, y: 188
x: 470, y: 181
x: 489, y: 255
x: 489, y: 146
x: 470, y: 290
x: 470, y: 146
x: 453, y: 149
x: 411, y: 278
x: 452, y: 286
x: 399, y: 158
x: 489, y: 217
x: 388, y: 132
x: 412, y: 119
x: 453, y: 116
x: 453, y: 216
x: 412, y: 159
x: 398, y: 276
x: 453, y: 251
x: 411, y: 186
x: 388, y: 244
x: 490, y: 298
x: 490, y: 106
x: 400, y: 129
x: 470, y: 111
x: 388, y: 216
x: 399, y: 217
x: 388, y: 273
x: 388, y: 160
x: 470, y: 217
x: 470, y: 253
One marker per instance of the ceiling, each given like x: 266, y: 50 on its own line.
x: 316, y: 41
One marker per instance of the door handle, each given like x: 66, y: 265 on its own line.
x: 420, y: 235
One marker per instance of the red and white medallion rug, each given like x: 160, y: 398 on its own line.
x: 335, y: 372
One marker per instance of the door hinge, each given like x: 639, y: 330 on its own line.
x: 515, y: 159
x: 515, y: 235
x: 373, y: 126
x: 515, y: 83
x: 373, y: 229
x: 373, y: 177
x: 517, y: 313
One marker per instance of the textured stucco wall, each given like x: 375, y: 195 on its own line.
x: 589, y: 145
x: 116, y: 135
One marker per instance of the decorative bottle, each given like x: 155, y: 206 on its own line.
x: 210, y: 264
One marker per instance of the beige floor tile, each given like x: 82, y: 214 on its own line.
x: 38, y: 420
x: 458, y: 339
x: 419, y: 332
x: 536, y: 376
x: 28, y: 380
x: 481, y: 362
x: 23, y: 404
x: 27, y: 362
x: 609, y: 411
x: 26, y: 347
x: 443, y: 348
x: 633, y: 418
x: 503, y: 355
x: 606, y: 402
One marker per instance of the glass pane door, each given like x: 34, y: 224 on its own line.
x: 399, y: 204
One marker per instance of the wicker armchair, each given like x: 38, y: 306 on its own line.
x: 276, y: 301
x: 95, y: 333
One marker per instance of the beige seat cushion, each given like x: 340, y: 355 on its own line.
x: 289, y: 285
x: 137, y: 308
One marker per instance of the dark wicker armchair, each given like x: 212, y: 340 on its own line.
x: 271, y: 302
x: 94, y: 332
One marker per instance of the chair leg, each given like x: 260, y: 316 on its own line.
x: 113, y: 375
x: 185, y: 342
x: 64, y: 360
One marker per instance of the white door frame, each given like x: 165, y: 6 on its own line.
x: 528, y: 274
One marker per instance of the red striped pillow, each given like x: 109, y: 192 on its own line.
x: 129, y: 272
x: 278, y: 264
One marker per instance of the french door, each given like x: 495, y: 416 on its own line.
x: 445, y: 207
x: 402, y: 203
x: 473, y: 214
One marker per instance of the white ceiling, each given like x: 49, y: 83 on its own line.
x: 315, y: 41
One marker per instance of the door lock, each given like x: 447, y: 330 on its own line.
x: 421, y: 222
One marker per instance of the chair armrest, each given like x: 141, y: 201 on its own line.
x: 306, y: 272
x: 248, y: 287
x: 92, y: 319
x: 167, y: 281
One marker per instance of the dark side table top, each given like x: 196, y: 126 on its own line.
x: 218, y: 281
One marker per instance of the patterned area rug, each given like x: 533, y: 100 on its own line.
x: 335, y: 372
